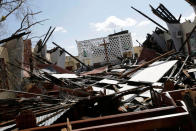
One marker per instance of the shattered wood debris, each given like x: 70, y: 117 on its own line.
x: 37, y: 93
x: 97, y: 93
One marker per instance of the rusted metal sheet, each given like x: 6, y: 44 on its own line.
x: 53, y: 68
x: 147, y: 55
x: 95, y: 71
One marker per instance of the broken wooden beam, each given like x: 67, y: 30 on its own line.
x: 71, y: 55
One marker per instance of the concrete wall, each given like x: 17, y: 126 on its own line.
x: 187, y: 28
x: 174, y: 29
x: 43, y: 51
x: 57, y: 58
x: 70, y: 62
x: 15, y: 49
x: 4, y: 54
x: 137, y: 50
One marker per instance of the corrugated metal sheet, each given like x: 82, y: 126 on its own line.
x: 7, y: 127
x: 41, y: 118
x: 51, y: 120
x: 154, y: 72
x: 96, y: 71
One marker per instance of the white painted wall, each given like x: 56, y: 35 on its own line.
x: 187, y: 28
x: 58, y: 59
x: 174, y: 29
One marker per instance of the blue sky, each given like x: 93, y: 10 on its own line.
x: 87, y: 19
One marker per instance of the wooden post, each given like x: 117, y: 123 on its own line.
x: 3, y: 75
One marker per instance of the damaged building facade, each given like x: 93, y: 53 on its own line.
x: 106, y: 49
x: 173, y: 38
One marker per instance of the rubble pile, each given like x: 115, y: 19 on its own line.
x: 153, y: 92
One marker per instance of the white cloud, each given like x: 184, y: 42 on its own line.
x: 112, y: 23
x: 190, y: 17
x: 140, y: 38
x: 73, y: 50
x: 60, y: 29
x: 144, y: 23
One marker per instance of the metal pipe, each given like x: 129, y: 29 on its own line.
x: 150, y: 19
x: 48, y: 37
x: 71, y: 55
x: 47, y: 34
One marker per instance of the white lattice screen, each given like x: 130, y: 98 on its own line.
x: 94, y: 51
